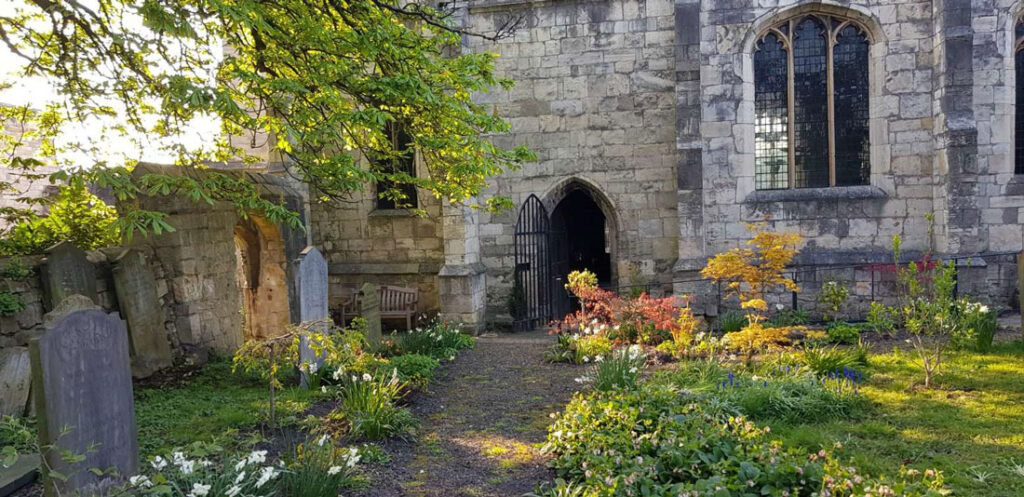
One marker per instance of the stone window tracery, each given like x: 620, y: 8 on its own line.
x: 811, y: 104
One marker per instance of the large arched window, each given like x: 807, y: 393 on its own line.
x: 811, y: 104
x: 1018, y: 146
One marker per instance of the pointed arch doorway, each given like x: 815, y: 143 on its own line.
x: 573, y: 229
x: 581, y: 239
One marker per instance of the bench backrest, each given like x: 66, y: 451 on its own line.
x: 397, y: 298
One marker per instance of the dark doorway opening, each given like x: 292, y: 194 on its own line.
x: 579, y: 241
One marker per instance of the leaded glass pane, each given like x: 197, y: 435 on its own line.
x: 1018, y: 147
x: 811, y: 105
x: 402, y: 143
x: 771, y: 129
x: 850, y: 87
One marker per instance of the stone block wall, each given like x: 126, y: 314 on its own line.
x: 363, y: 244
x: 595, y: 99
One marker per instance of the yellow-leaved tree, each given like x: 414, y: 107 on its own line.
x: 751, y: 272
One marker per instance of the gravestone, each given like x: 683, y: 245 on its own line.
x: 15, y: 374
x: 67, y: 272
x: 82, y: 385
x: 369, y: 308
x: 311, y: 284
x: 137, y: 299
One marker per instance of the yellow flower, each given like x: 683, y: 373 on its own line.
x: 758, y: 304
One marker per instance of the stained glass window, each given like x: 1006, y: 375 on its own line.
x: 1018, y: 148
x: 405, y: 162
x: 811, y: 104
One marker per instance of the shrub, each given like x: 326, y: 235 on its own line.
x: 415, y: 369
x: 642, y: 319
x: 620, y: 370
x: 589, y: 347
x: 843, y: 333
x: 833, y: 296
x: 317, y: 468
x: 368, y: 407
x: 655, y: 440
x: 731, y: 321
x: 881, y: 318
x: 793, y: 317
x: 976, y: 326
x: 75, y: 215
x: 827, y: 360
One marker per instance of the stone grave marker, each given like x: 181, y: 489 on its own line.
x: 311, y: 284
x: 137, y: 299
x: 369, y: 308
x: 67, y: 272
x: 15, y: 374
x: 82, y: 384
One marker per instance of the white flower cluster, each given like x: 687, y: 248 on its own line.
x: 249, y: 465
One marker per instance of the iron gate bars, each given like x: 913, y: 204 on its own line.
x: 530, y: 303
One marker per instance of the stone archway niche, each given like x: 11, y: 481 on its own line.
x: 262, y: 281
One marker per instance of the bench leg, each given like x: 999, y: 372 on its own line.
x: 408, y: 322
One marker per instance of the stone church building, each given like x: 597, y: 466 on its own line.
x: 662, y: 127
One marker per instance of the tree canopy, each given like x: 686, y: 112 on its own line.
x: 323, y: 79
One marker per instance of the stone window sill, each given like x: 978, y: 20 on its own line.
x: 810, y: 194
x: 392, y: 213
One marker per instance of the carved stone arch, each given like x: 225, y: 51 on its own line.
x: 563, y: 188
x: 855, y: 14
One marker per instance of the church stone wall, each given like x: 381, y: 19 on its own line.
x: 595, y: 99
x: 387, y: 247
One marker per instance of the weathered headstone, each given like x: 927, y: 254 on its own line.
x: 67, y: 272
x: 369, y: 308
x: 137, y: 299
x: 311, y: 284
x: 82, y: 383
x: 15, y: 374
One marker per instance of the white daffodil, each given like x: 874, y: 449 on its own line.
x: 334, y: 470
x: 367, y: 377
x: 200, y: 490
x: 257, y: 457
x: 158, y: 463
x: 233, y: 491
x: 240, y: 477
x: 187, y: 467
x: 140, y: 481
x: 240, y: 465
x: 266, y: 474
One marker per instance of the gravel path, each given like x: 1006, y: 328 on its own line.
x: 481, y: 423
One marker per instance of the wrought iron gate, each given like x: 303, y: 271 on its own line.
x: 530, y: 304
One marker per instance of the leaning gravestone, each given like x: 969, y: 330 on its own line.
x: 137, y: 299
x: 369, y: 308
x: 15, y: 374
x: 67, y: 272
x: 311, y: 283
x: 82, y: 384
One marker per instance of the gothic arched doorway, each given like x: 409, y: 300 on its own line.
x: 582, y: 237
x: 262, y: 283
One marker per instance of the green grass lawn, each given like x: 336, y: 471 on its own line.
x: 970, y: 425
x: 213, y: 407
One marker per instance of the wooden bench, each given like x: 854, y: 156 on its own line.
x: 399, y: 302
x: 395, y: 302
